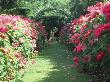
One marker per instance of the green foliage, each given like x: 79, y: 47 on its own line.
x: 7, y: 4
x: 34, y: 6
x: 31, y: 8
x: 13, y: 7
x: 78, y: 7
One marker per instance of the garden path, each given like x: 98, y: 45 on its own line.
x: 54, y: 64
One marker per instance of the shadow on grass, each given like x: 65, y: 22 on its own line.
x: 62, y: 69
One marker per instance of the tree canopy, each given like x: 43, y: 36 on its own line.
x: 32, y: 7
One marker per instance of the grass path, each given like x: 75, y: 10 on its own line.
x: 54, y: 64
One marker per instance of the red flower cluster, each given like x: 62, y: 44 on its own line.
x: 101, y: 28
x: 80, y: 48
x: 98, y: 31
x: 89, y: 38
x: 75, y: 38
x: 90, y: 29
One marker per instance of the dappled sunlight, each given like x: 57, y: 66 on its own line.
x: 52, y: 65
x: 40, y: 70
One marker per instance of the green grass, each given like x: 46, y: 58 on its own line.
x: 54, y: 64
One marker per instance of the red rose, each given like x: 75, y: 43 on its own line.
x: 106, y: 26
x: 100, y: 56
x: 76, y: 60
x: 80, y: 47
x: 106, y: 11
x: 98, y: 31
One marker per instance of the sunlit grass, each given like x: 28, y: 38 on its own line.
x: 54, y: 64
x: 39, y: 70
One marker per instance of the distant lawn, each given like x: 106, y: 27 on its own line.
x: 54, y: 64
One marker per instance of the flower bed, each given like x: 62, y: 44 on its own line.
x: 90, y: 36
x: 17, y: 41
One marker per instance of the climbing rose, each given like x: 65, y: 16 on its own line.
x: 100, y: 55
x: 76, y: 60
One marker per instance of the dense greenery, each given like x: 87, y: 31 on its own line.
x: 32, y: 7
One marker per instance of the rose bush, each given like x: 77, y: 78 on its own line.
x: 42, y: 36
x: 90, y: 36
x: 17, y: 41
x: 65, y: 34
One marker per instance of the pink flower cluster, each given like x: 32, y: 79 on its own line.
x: 80, y: 48
x: 15, y: 33
x: 3, y: 29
